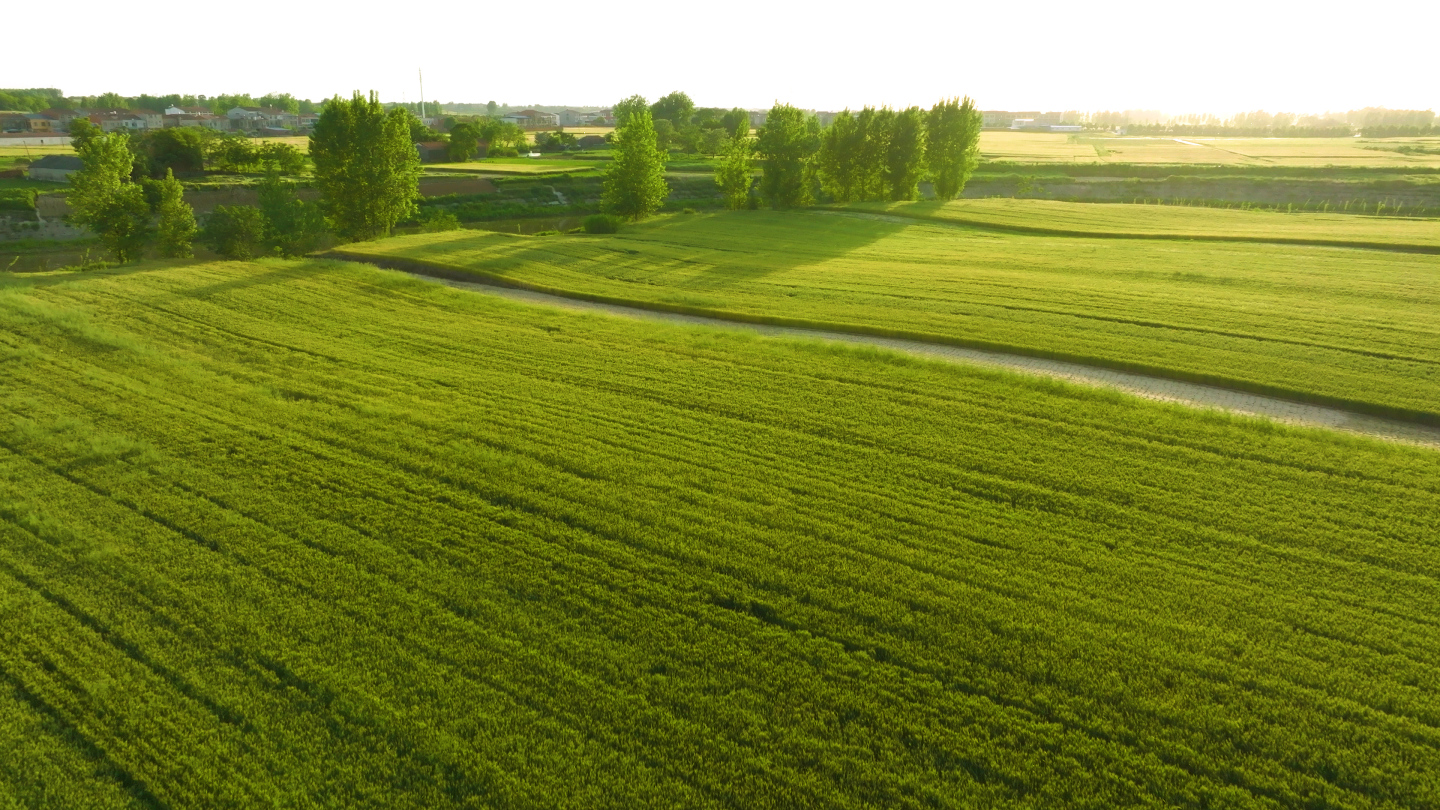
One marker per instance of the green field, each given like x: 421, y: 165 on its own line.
x: 310, y: 534
x: 1351, y: 326
x: 519, y: 165
x: 1054, y: 147
x: 1179, y: 221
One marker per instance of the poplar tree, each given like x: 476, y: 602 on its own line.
x: 103, y: 199
x: 734, y: 174
x: 905, y: 154
x: 635, y: 183
x: 952, y: 145
x: 176, y: 228
x: 788, y: 143
x: 366, y: 166
x: 835, y: 162
x: 292, y: 226
x: 872, y: 141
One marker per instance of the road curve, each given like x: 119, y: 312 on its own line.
x: 1153, y: 388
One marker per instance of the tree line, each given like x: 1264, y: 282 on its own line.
x: 45, y: 98
x: 876, y: 154
x: 364, y: 163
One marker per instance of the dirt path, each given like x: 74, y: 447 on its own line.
x: 1153, y: 388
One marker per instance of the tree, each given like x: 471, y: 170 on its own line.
x: 787, y: 142
x: 629, y: 107
x: 557, y: 141
x: 176, y: 228
x: 677, y: 108
x: 712, y: 141
x: 871, y: 143
x: 491, y: 108
x: 112, y: 101
x: 635, y: 183
x: 836, y: 160
x: 293, y: 227
x: 234, y: 231
x: 734, y: 175
x: 233, y: 153
x: 366, y: 166
x: 734, y: 119
x: 905, y: 154
x: 283, y: 157
x: 81, y: 132
x: 664, y: 134
x: 103, y: 199
x: 180, y: 149
x: 952, y: 145
x: 464, y: 141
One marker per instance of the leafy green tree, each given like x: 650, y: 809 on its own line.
x: 664, y: 135
x: 629, y: 107
x: 365, y: 165
x: 677, y: 108
x: 180, y: 149
x: 232, y: 153
x: 711, y: 141
x: 112, y: 101
x: 283, y: 157
x: 234, y: 231
x: 464, y: 141
x: 491, y: 108
x: 103, y: 199
x: 82, y: 132
x: 176, y: 227
x: 872, y: 142
x: 635, y: 183
x: 952, y: 148
x: 905, y: 154
x: 787, y: 142
x: 735, y: 174
x: 293, y: 227
x: 734, y: 119
x: 835, y: 162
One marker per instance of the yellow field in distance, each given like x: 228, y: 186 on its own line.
x: 1046, y: 147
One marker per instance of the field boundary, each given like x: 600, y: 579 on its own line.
x: 1034, y: 230
x: 454, y: 273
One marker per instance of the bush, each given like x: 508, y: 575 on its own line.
x: 601, y: 223
x: 502, y: 151
x: 434, y: 220
x: 234, y: 231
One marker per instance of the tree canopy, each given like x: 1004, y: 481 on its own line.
x: 635, y: 182
x: 103, y: 198
x: 953, y: 145
x: 787, y: 142
x: 677, y: 108
x: 366, y: 166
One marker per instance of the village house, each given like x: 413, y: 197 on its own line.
x: 207, y: 120
x: 118, y: 121
x: 533, y: 119
x: 432, y: 151
x: 55, y: 168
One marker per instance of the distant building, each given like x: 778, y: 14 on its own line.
x: 757, y: 117
x: 533, y: 119
x: 433, y: 152
x: 258, y: 118
x: 41, y: 123
x: 1003, y: 118
x: 1066, y: 128
x: 219, y: 123
x: 55, y: 168
x: 63, y: 118
x: 571, y: 118
x: 591, y: 142
x: 119, y: 121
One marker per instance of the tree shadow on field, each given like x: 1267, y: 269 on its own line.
x: 24, y: 281
x: 262, y: 275
x: 684, y: 253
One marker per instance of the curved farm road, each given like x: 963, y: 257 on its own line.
x: 1154, y: 388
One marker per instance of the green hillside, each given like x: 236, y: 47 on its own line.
x: 312, y: 534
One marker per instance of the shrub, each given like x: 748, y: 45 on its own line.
x: 234, y: 231
x: 434, y: 220
x: 601, y: 223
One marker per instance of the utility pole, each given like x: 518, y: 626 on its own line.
x: 422, y: 93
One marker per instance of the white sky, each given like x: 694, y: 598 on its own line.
x: 1178, y: 56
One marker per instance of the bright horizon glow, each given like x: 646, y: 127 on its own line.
x: 1219, y: 57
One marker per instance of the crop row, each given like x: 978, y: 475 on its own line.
x: 278, y: 532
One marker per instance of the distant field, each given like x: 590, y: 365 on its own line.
x: 518, y: 165
x: 308, y: 534
x: 1172, y: 220
x: 1044, y: 147
x: 9, y: 154
x: 1353, y: 325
